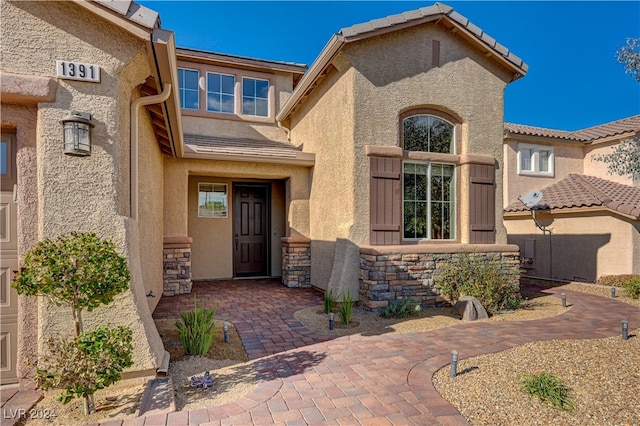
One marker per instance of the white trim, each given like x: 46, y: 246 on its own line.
x: 535, y: 160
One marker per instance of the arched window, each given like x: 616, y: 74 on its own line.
x: 428, y: 133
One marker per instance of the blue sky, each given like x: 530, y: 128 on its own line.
x: 574, y: 80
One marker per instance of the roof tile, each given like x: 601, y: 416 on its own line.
x: 586, y: 191
x: 618, y: 127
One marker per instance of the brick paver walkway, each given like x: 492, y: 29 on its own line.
x: 370, y: 380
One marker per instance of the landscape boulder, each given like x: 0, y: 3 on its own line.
x: 470, y: 309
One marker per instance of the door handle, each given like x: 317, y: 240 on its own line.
x: 236, y: 241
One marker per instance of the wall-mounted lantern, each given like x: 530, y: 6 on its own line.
x: 76, y: 128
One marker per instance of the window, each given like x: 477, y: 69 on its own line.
x: 189, y: 88
x: 255, y: 97
x: 428, y: 201
x: 535, y: 160
x: 221, y: 93
x: 429, y: 134
x: 7, y: 161
x: 212, y: 200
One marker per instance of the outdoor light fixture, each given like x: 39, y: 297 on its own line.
x: 76, y: 131
x: 564, y: 299
x: 625, y: 329
x: 331, y: 321
x: 454, y: 363
x: 613, y: 292
x: 225, y: 327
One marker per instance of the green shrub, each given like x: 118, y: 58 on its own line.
x: 482, y: 277
x: 632, y: 287
x: 329, y: 301
x: 400, y: 308
x: 197, y: 329
x: 615, y: 280
x: 345, y: 308
x: 549, y: 389
x: 79, y: 271
x: 85, y: 364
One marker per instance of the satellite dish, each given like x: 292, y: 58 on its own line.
x: 531, y: 199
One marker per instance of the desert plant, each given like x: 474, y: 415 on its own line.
x: 400, y: 308
x: 615, y: 280
x: 549, y: 389
x: 84, y: 365
x: 80, y: 271
x: 197, y: 329
x: 482, y: 277
x: 345, y: 308
x: 632, y: 287
x: 329, y: 300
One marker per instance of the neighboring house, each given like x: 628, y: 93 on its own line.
x: 593, y: 217
x: 363, y: 174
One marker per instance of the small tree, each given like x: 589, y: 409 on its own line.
x: 624, y: 160
x: 79, y: 271
x: 629, y: 55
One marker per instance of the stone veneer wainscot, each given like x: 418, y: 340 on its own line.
x: 390, y: 273
x: 296, y: 262
x: 176, y: 261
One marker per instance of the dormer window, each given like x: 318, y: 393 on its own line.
x: 221, y: 92
x: 255, y: 97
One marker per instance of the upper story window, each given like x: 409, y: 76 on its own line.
x: 535, y: 160
x: 255, y: 97
x: 189, y: 88
x: 428, y: 133
x: 227, y: 93
x: 221, y: 92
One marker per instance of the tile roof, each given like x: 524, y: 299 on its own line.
x: 586, y: 191
x: 613, y: 128
x: 437, y: 9
x: 263, y: 149
x: 134, y: 12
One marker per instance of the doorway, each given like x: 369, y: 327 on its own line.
x: 251, y: 230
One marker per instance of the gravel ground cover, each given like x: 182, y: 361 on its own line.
x: 603, y: 376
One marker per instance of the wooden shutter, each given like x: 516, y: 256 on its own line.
x: 482, y: 208
x: 385, y: 200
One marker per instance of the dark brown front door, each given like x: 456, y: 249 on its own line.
x: 250, y: 229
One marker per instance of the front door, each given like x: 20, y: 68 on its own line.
x: 8, y: 260
x: 251, y: 229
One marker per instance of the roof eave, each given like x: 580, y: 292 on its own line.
x: 166, y: 71
x: 444, y: 13
x: 125, y: 22
x: 303, y: 159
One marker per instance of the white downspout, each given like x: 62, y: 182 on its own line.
x: 135, y: 106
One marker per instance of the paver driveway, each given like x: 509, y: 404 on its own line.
x: 369, y: 380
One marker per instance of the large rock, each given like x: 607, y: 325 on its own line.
x: 470, y: 308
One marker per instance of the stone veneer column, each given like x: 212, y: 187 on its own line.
x: 176, y: 266
x: 296, y: 262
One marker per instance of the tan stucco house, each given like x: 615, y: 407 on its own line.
x: 362, y: 173
x: 590, y: 218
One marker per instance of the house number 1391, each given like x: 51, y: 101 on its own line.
x: 78, y: 71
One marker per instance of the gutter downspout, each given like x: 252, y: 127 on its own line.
x: 135, y: 106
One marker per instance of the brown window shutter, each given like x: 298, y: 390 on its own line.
x: 385, y: 201
x: 482, y: 193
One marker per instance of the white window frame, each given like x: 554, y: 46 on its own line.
x: 454, y: 202
x: 182, y: 89
x: 535, y: 159
x: 219, y: 190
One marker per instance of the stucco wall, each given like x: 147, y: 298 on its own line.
x: 74, y: 193
x: 579, y: 250
x: 568, y: 158
x: 358, y: 103
x: 599, y: 168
